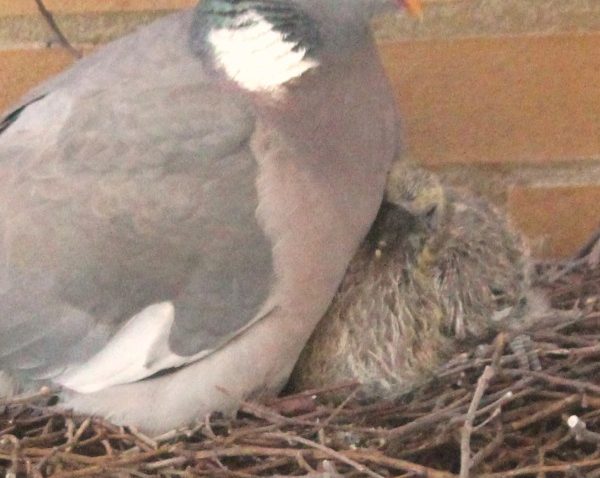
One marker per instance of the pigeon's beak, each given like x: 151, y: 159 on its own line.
x: 413, y: 6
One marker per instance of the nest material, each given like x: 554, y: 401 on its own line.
x: 484, y: 415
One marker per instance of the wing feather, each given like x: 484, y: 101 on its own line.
x: 127, y: 183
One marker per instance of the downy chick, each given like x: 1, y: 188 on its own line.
x: 437, y: 266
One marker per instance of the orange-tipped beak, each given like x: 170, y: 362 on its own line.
x: 414, y: 7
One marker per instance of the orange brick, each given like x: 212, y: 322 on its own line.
x: 24, y: 7
x: 493, y: 100
x: 558, y: 220
x: 20, y: 70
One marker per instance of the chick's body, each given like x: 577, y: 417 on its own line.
x: 480, y: 267
x: 437, y: 266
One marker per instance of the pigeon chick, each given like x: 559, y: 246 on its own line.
x: 479, y: 264
x: 437, y: 266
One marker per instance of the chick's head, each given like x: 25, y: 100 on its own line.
x: 418, y: 192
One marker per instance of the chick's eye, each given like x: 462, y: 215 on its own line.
x: 409, y: 196
x: 430, y: 212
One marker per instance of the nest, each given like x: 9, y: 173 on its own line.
x: 486, y: 414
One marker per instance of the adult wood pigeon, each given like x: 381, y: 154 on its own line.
x: 177, y: 209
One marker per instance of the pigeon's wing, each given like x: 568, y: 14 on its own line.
x: 128, y: 237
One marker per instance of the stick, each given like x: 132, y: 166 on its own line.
x: 62, y: 39
x: 467, y: 429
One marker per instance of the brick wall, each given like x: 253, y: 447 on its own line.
x: 505, y: 95
x: 500, y: 94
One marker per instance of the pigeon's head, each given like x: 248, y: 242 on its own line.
x: 264, y: 44
x: 418, y: 192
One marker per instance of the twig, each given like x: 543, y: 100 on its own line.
x: 495, y: 407
x: 490, y: 448
x: 546, y: 412
x: 318, y: 454
x: 43, y: 392
x: 578, y: 385
x: 260, y: 411
x: 145, y: 441
x: 467, y: 429
x: 157, y: 465
x: 404, y: 465
x: 589, y: 246
x: 103, y: 465
x: 426, y: 420
x: 532, y: 470
x: 579, y: 429
x: 303, y: 463
x: 336, y: 412
x: 14, y: 455
x: 62, y: 39
x: 332, y: 453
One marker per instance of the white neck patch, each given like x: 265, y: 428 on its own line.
x: 257, y: 56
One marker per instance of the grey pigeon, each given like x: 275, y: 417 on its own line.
x: 178, y: 209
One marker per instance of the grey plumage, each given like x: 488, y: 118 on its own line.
x: 170, y: 236
x: 438, y: 266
